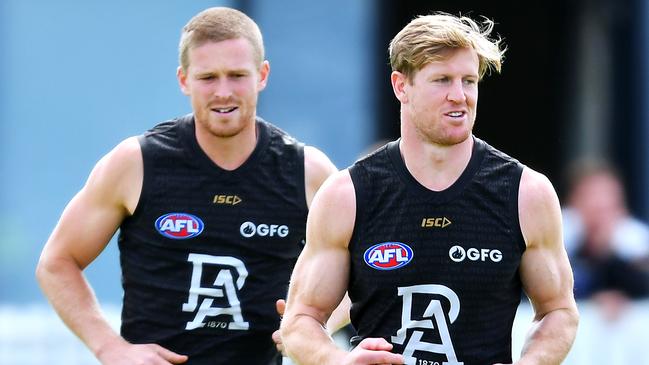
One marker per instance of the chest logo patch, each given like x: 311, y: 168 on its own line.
x: 179, y: 226
x: 388, y: 255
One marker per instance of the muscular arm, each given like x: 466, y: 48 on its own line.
x: 319, y: 282
x: 318, y: 168
x: 546, y: 273
x: 86, y: 226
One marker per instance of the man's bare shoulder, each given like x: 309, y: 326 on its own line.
x: 119, y: 174
x: 317, y: 168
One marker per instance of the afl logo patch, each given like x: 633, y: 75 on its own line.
x: 179, y: 226
x: 388, y: 255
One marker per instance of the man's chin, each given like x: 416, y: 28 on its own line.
x: 452, y: 140
x: 225, y: 132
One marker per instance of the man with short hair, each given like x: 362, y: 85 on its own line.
x: 211, y: 209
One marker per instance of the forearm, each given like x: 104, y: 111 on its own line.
x: 72, y: 298
x: 306, y: 342
x: 550, y: 338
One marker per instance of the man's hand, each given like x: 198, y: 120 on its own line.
x: 373, y: 351
x: 148, y: 354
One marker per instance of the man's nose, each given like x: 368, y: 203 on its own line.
x: 456, y: 92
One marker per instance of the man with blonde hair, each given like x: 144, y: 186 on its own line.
x: 211, y: 209
x: 434, y: 235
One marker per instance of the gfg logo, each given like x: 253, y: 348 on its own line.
x: 458, y: 254
x: 249, y: 229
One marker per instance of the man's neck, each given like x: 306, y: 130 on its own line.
x: 435, y: 166
x: 229, y: 152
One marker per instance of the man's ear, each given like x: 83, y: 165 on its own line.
x: 182, y: 80
x: 399, y: 81
x: 264, y: 71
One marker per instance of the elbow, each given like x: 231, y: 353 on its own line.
x: 295, y: 326
x: 574, y: 317
x: 571, y: 323
x: 44, y: 269
x: 50, y: 268
x: 568, y: 319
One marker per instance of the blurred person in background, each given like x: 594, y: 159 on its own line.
x: 211, y: 209
x: 608, y: 247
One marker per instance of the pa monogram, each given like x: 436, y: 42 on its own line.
x: 432, y: 319
x: 224, y: 287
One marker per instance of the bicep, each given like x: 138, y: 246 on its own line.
x: 545, y: 269
x: 93, y: 215
x: 318, y: 283
x: 319, y: 280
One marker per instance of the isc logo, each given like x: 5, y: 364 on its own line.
x: 388, y: 255
x: 226, y: 199
x: 439, y: 222
x: 179, y: 226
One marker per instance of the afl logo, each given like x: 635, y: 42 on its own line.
x: 179, y: 226
x: 388, y: 255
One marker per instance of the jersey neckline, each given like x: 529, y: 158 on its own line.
x: 188, y: 128
x: 477, y: 154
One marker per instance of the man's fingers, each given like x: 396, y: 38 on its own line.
x: 379, y: 357
x: 376, y: 344
x: 377, y: 352
x: 170, y: 356
x: 280, y: 305
x: 277, y: 338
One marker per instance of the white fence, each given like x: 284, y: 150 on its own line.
x: 33, y: 335
x: 600, y: 342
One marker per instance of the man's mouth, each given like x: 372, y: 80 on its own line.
x: 224, y: 110
x: 455, y: 114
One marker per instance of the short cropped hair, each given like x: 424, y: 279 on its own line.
x: 219, y: 24
x: 426, y: 38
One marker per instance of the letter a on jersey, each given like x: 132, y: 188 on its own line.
x: 433, y: 318
x: 224, y: 286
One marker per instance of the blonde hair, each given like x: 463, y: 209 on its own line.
x: 219, y: 24
x: 426, y: 38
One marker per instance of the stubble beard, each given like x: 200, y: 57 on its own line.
x: 443, y: 136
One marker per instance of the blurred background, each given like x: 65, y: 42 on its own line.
x: 77, y: 77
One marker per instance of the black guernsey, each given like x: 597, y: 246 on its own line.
x: 208, y: 251
x: 436, y: 273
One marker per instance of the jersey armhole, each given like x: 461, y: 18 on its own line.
x: 359, y: 192
x: 146, y: 168
x: 516, y: 184
x: 301, y: 185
